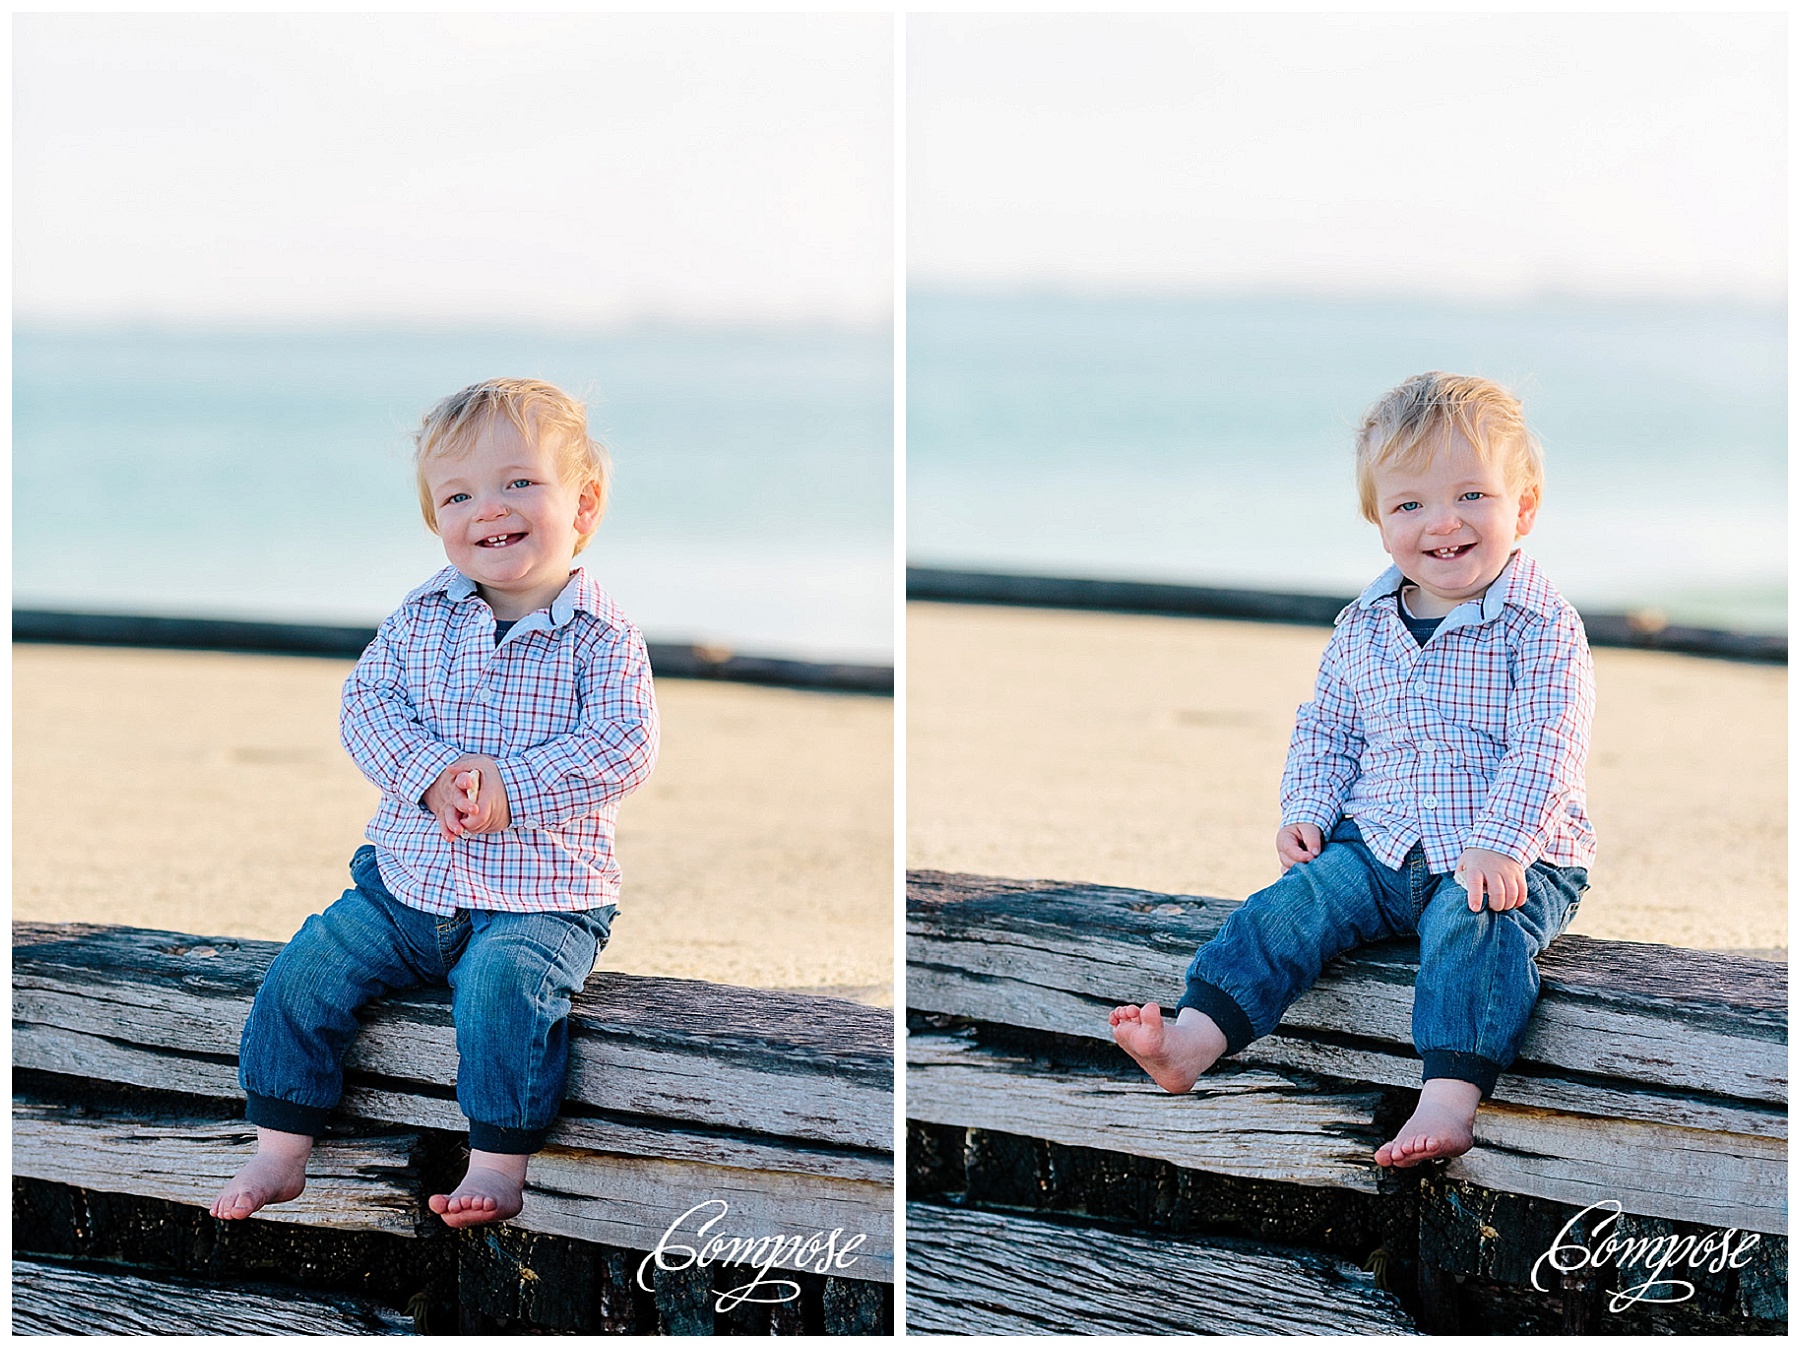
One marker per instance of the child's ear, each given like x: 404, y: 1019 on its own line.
x: 587, y: 507
x: 1528, y: 509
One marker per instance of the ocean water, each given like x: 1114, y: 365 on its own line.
x: 267, y: 475
x: 1208, y: 440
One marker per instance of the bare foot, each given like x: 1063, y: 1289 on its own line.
x: 1174, y: 1053
x: 492, y: 1191
x: 1442, y: 1126
x: 276, y: 1174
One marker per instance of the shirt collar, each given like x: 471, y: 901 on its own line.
x: 580, y: 594
x: 1519, y: 583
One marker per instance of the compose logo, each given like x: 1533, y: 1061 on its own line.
x: 821, y: 1252
x: 1653, y: 1255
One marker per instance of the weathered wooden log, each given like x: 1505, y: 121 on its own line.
x: 783, y: 1064
x: 1251, y: 1123
x: 1658, y: 1075
x: 1644, y: 631
x: 353, y: 1183
x: 970, y: 1272
x: 57, y: 1299
x: 636, y: 1202
x: 776, y: 1103
x: 1055, y: 956
x: 1685, y: 1174
x: 668, y: 660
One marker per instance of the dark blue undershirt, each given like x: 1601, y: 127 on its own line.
x: 501, y: 629
x: 1421, y: 628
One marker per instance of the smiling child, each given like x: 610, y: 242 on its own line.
x: 1435, y: 784
x: 504, y: 710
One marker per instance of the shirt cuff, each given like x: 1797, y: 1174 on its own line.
x: 1519, y: 844
x: 426, y: 766
x: 526, y: 801
x: 1316, y: 813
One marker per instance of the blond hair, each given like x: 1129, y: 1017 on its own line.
x: 1410, y: 423
x: 542, y: 414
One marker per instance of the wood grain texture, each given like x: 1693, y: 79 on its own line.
x: 970, y: 1272
x: 57, y: 1299
x: 1057, y: 956
x: 1254, y: 1124
x: 634, y: 1202
x: 352, y: 1184
x: 784, y: 1064
x: 1684, y: 1174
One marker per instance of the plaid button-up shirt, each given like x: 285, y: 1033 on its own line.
x: 564, y: 705
x: 1477, y: 739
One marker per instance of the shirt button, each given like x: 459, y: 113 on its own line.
x: 485, y: 695
x: 1430, y: 802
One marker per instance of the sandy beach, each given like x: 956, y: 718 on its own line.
x: 1147, y: 752
x: 207, y: 793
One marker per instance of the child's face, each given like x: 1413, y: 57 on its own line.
x: 508, y: 520
x: 1451, y: 525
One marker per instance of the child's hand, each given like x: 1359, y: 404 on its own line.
x: 1295, y: 843
x: 1492, y: 873
x: 468, y: 797
x: 480, y: 796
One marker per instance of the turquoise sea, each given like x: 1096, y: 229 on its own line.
x: 1208, y: 440
x: 266, y: 474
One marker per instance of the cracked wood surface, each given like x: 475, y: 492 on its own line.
x: 787, y: 1065
x: 1056, y: 956
x: 972, y: 1272
x: 1256, y: 1124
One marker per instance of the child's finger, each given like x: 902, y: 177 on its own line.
x: 1476, y: 884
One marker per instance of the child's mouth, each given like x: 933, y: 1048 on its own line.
x: 499, y: 541
x: 1449, y: 554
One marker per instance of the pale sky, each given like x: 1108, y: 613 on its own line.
x: 587, y: 169
x: 1476, y: 155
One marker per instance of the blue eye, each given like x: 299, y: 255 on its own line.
x: 1407, y: 505
x: 1473, y: 495
x: 520, y: 482
x: 456, y: 498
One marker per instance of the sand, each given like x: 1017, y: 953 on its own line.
x: 207, y: 793
x: 1147, y: 752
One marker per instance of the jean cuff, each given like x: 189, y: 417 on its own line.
x: 1469, y: 1067
x: 1212, y: 1000
x: 284, y: 1116
x: 506, y: 1141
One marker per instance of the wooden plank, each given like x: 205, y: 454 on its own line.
x: 635, y: 1201
x: 1250, y: 1123
x: 1053, y: 955
x: 970, y: 1272
x: 67, y: 1053
x: 785, y: 1064
x: 353, y: 1184
x: 57, y: 1299
x: 1570, y: 1096
x: 1720, y: 1179
x: 636, y: 1137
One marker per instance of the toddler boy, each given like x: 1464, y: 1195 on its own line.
x: 505, y: 709
x: 1436, y: 782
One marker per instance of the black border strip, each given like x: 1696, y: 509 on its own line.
x: 1641, y: 632
x: 667, y: 661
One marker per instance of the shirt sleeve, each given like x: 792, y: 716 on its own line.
x: 606, y: 757
x: 1549, y: 724
x: 1325, y: 753
x: 380, y: 725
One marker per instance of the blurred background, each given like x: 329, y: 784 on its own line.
x: 1158, y: 266
x: 251, y: 250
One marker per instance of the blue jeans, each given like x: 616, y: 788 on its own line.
x: 1478, y: 977
x: 511, y: 976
